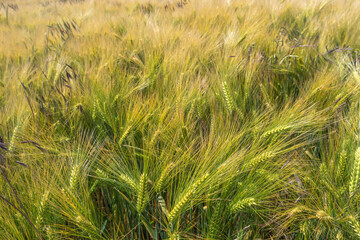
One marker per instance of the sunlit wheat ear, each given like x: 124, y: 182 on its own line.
x: 141, y: 195
x: 354, y: 223
x: 322, y: 215
x: 355, y: 174
x: 129, y: 182
x: 125, y: 133
x: 163, y: 176
x: 74, y: 177
x: 342, y: 99
x: 240, y: 205
x: 339, y: 235
x: 41, y: 209
x: 275, y: 131
x: 228, y: 98
x: 186, y: 197
x: 297, y: 210
x: 153, y: 139
x: 261, y: 158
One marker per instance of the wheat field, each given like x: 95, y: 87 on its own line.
x: 173, y: 119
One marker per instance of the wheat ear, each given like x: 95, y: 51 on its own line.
x: 275, y: 131
x: 247, y: 202
x: 39, y: 218
x: 354, y: 223
x: 74, y: 177
x: 259, y: 159
x: 342, y: 163
x: 163, y: 176
x: 215, y: 220
x: 355, y: 174
x: 228, y: 97
x: 186, y: 197
x: 141, y: 194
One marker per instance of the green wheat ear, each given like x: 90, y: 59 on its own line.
x: 141, y: 199
x: 238, y: 206
x: 215, y: 221
x: 15, y: 135
x: 41, y: 210
x: 322, y: 215
x: 339, y: 235
x: 174, y: 236
x: 129, y: 182
x: 102, y: 177
x: 186, y: 197
x: 162, y: 205
x: 49, y: 232
x: 304, y: 228
x: 275, y: 131
x: 74, y: 177
x: 355, y: 174
x: 94, y: 186
x: 228, y: 98
x: 342, y: 164
x: 163, y: 176
x: 261, y: 158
